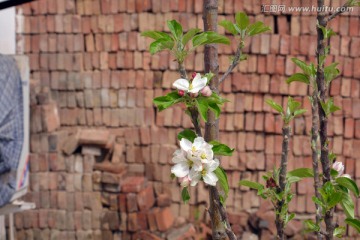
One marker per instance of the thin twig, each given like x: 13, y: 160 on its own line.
x: 234, y: 63
x: 338, y: 12
x: 195, y: 120
x: 193, y: 111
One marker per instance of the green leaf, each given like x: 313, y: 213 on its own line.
x: 250, y: 184
x: 293, y: 105
x: 208, y: 38
x: 317, y: 201
x: 185, y: 195
x: 329, y: 107
x: 168, y: 100
x: 333, y: 173
x: 331, y: 72
x: 242, y: 20
x: 293, y: 179
x: 299, y: 112
x: 156, y: 35
x: 257, y: 28
x: 215, y: 108
x: 175, y: 28
x: 298, y: 77
x: 289, y: 217
x: 334, y: 199
x: 223, y: 180
x: 309, y: 70
x: 203, y: 107
x: 209, y: 76
x: 229, y: 26
x: 301, y: 173
x: 189, y: 35
x: 274, y: 105
x: 355, y: 223
x: 349, y: 184
x: 188, y: 134
x: 311, y: 226
x: 339, y: 232
x: 161, y: 44
x: 348, y: 205
x: 221, y: 149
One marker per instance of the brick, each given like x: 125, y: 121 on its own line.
x: 146, y: 198
x: 133, y: 184
x: 164, y: 219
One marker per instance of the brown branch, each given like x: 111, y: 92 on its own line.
x: 280, y: 225
x: 284, y: 156
x: 182, y: 70
x: 195, y: 120
x: 338, y: 12
x: 320, y: 80
x: 234, y: 63
x: 219, y: 220
x: 315, y: 159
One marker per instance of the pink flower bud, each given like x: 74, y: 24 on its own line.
x: 194, y: 95
x: 185, y: 181
x: 181, y: 92
x: 193, y: 74
x: 339, y: 167
x: 206, y: 91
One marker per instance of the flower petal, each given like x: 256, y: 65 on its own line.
x: 210, y: 178
x: 180, y: 169
x: 198, y: 143
x: 182, y: 84
x: 185, y: 144
x: 198, y: 83
x: 194, y: 177
x: 346, y: 175
x: 178, y: 158
x: 212, y: 165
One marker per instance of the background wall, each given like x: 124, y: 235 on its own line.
x: 90, y: 56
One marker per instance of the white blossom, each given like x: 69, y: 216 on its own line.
x: 207, y: 173
x: 195, y: 86
x: 195, y: 162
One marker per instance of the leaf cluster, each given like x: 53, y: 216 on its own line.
x: 292, y: 109
x: 179, y: 42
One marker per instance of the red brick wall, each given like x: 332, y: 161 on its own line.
x: 100, y: 73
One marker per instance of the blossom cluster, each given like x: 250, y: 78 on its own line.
x: 339, y: 167
x: 195, y: 162
x: 198, y: 84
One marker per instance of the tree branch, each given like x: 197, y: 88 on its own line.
x: 320, y: 80
x: 315, y: 159
x: 280, y: 225
x: 234, y: 63
x: 216, y: 209
x: 338, y: 11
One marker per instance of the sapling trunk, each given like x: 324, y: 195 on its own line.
x: 320, y: 80
x: 219, y: 221
x: 280, y: 225
x: 315, y: 159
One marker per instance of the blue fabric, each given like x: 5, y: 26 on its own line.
x: 11, y: 126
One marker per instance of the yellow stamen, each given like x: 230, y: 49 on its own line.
x: 203, y: 156
x: 190, y: 86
